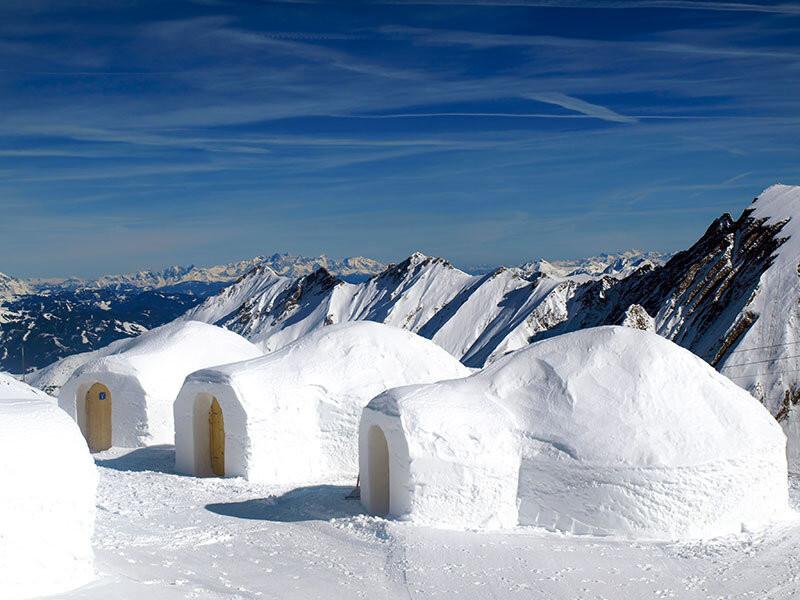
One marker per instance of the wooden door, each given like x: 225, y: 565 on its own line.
x: 378, y: 465
x: 98, y: 418
x: 216, y: 436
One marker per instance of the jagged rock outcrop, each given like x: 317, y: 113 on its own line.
x: 636, y: 317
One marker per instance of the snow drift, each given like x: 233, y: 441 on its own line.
x: 141, y: 379
x: 604, y: 431
x: 53, y: 377
x: 292, y: 416
x: 47, y: 498
x: 11, y: 388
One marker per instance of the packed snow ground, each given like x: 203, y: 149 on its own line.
x: 164, y: 536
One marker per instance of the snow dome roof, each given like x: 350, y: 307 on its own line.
x: 604, y: 396
x: 165, y: 355
x: 44, y: 430
x: 47, y: 505
x: 12, y: 388
x: 358, y: 356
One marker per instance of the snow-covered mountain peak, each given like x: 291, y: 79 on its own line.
x: 413, y: 266
x: 260, y: 270
x: 616, y: 265
x: 544, y: 267
x: 10, y: 287
x: 360, y: 264
x: 298, y: 266
x: 318, y: 281
x: 778, y: 202
x: 416, y: 259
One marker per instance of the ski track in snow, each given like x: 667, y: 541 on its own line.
x: 164, y: 536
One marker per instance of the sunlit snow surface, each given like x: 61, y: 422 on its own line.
x: 47, y: 495
x: 164, y: 536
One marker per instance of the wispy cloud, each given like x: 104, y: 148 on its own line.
x: 594, y: 111
x: 699, y: 5
x: 479, y: 39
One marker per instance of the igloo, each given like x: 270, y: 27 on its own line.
x: 291, y: 416
x: 125, y: 398
x: 606, y: 431
x: 47, y: 496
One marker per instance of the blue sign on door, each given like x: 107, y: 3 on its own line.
x: 102, y: 395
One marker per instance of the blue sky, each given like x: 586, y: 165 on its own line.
x: 139, y: 134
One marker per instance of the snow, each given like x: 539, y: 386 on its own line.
x: 765, y: 359
x: 297, y: 266
x: 292, y: 415
x: 11, y: 287
x: 145, y: 373
x: 13, y: 389
x: 47, y: 498
x: 53, y: 377
x: 613, y: 265
x: 163, y: 536
x: 605, y: 431
x: 259, y: 281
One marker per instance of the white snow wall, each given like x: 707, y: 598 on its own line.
x: 284, y: 449
x: 560, y: 494
x: 452, y: 477
x: 47, y: 501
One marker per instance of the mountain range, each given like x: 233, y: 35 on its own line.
x: 43, y: 320
x: 474, y: 317
x: 289, y: 265
x: 55, y: 319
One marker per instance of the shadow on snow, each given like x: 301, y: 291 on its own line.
x: 314, y: 503
x: 160, y: 459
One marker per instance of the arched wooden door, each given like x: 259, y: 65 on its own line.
x: 98, y: 418
x: 216, y: 438
x: 378, y: 465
